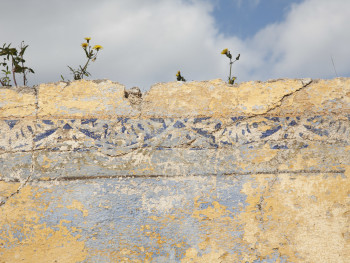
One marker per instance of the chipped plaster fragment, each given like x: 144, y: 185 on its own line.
x: 306, y: 81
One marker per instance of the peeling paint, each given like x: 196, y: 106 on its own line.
x: 26, y: 237
x: 188, y: 172
x: 303, y: 217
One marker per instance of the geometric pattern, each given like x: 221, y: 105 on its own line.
x: 67, y: 148
x: 194, y: 133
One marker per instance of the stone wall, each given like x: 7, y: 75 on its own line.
x: 188, y: 172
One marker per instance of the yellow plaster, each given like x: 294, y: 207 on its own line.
x: 47, y: 162
x: 6, y: 189
x: 16, y: 104
x: 194, y: 98
x: 77, y: 205
x: 216, y: 255
x: 264, y: 154
x: 82, y: 98
x: 305, y: 217
x: 216, y: 224
x: 214, y: 211
x: 39, y: 243
x: 303, y: 161
x: 217, y: 98
x: 206, y: 98
x: 347, y: 171
x: 321, y: 96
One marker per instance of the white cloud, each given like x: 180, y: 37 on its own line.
x: 146, y: 42
x: 302, y: 45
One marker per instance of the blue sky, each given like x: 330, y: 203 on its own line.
x: 245, y: 18
x: 146, y: 42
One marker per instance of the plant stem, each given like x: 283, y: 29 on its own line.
x: 24, y: 75
x: 14, y: 78
x: 231, y: 68
x: 13, y: 71
x: 84, y: 68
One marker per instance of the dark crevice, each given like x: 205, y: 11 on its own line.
x: 232, y: 174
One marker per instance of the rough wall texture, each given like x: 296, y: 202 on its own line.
x: 190, y: 172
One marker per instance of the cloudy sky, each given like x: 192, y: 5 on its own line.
x: 147, y: 41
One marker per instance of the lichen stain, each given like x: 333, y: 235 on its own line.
x: 304, y: 218
x: 24, y: 239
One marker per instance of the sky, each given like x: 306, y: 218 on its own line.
x: 147, y: 41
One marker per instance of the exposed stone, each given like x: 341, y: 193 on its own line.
x: 134, y: 95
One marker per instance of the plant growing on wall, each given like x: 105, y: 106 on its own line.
x: 231, y: 80
x: 13, y: 62
x: 179, y: 77
x: 91, y: 55
x: 5, y: 81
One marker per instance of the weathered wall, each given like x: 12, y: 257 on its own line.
x: 190, y: 172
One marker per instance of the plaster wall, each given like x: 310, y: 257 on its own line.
x: 188, y: 172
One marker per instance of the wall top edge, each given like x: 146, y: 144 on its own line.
x: 104, y: 98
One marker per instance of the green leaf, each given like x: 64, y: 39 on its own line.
x: 23, y: 49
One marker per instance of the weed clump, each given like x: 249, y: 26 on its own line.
x: 91, y: 55
x: 13, y: 62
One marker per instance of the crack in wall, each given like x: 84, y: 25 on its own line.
x: 305, y: 83
x: 231, y: 174
x: 261, y: 204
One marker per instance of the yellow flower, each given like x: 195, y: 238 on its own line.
x: 84, y: 45
x: 97, y: 47
x: 178, y: 73
x: 224, y: 52
x: 87, y: 39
